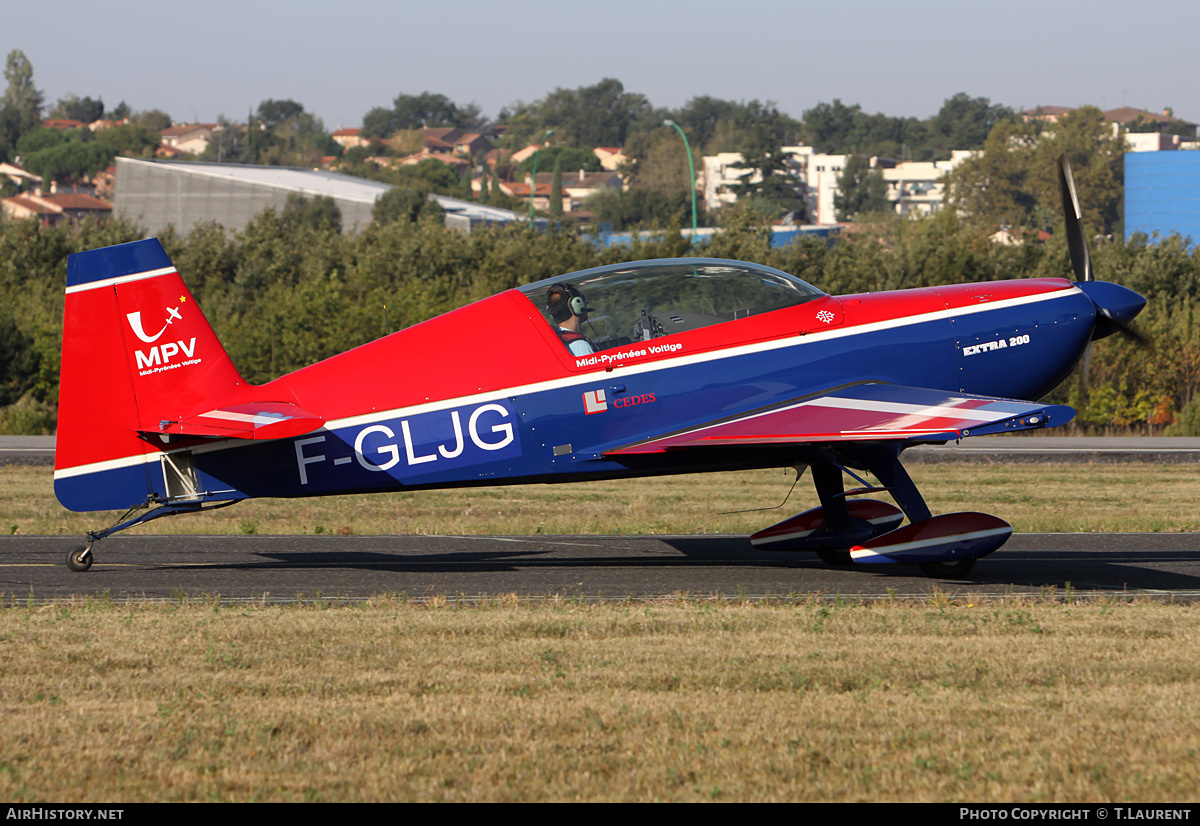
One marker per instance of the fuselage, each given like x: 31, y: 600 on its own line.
x: 488, y: 394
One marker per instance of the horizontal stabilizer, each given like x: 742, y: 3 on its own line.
x: 865, y: 412
x: 252, y: 420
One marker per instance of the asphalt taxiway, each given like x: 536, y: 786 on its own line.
x: 287, y: 568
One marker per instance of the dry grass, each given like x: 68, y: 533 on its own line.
x: 687, y: 700
x: 1033, y: 497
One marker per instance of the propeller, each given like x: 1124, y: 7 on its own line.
x: 1116, y: 306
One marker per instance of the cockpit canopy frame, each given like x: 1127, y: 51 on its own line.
x: 642, y: 300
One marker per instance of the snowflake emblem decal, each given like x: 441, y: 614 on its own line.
x: 825, y: 317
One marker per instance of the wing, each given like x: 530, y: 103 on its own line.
x: 865, y: 412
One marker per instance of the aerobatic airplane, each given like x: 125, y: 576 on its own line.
x: 629, y: 370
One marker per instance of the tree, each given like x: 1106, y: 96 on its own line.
x: 572, y: 158
x: 964, y: 122
x: 319, y: 213
x: 129, y: 140
x: 641, y: 208
x: 72, y: 107
x: 21, y: 107
x: 288, y: 135
x: 273, y: 112
x: 769, y: 179
x: 603, y: 114
x: 406, y: 204
x: 419, y: 111
x: 556, y: 209
x: 861, y: 190
x: 155, y: 119
x: 1014, y: 182
x: 992, y: 188
x: 659, y: 161
x: 73, y: 159
x: 836, y: 127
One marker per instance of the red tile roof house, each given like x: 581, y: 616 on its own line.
x: 520, y: 191
x: 189, y: 137
x: 20, y: 176
x: 447, y: 139
x: 61, y: 123
x: 349, y: 138
x: 577, y: 187
x: 53, y: 209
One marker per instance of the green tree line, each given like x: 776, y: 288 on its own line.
x: 290, y: 289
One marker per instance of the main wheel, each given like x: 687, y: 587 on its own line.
x: 948, y: 570
x: 838, y: 559
x: 80, y: 559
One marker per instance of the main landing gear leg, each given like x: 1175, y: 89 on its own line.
x: 827, y: 478
x: 884, y: 462
x: 80, y: 559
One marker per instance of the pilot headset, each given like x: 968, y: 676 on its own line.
x: 577, y: 304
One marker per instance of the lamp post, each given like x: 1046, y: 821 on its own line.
x: 691, y: 168
x: 533, y: 180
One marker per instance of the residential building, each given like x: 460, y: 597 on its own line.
x: 62, y: 123
x: 721, y: 177
x: 918, y: 188
x: 458, y: 162
x: 1125, y: 115
x: 823, y: 174
x: 1152, y: 141
x: 611, y: 158
x: 577, y: 187
x: 23, y: 179
x: 914, y: 188
x: 189, y: 138
x: 349, y: 138
x: 446, y: 140
x: 1121, y: 117
x: 57, y: 207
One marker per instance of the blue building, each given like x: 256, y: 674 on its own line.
x: 1162, y: 194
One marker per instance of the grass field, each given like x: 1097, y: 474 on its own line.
x: 1033, y: 497
x: 685, y: 700
x: 959, y: 699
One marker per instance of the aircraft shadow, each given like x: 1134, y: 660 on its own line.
x: 1114, y: 570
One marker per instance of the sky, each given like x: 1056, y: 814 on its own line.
x: 220, y: 57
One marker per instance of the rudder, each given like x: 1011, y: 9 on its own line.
x: 137, y: 353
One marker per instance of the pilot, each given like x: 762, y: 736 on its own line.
x: 567, y: 306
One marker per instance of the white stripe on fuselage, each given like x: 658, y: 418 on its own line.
x: 625, y: 370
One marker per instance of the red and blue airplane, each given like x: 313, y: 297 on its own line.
x: 641, y: 369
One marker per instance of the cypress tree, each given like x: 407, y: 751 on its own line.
x: 556, y: 209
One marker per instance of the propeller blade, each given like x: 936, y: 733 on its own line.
x: 1081, y: 261
x: 1107, y: 324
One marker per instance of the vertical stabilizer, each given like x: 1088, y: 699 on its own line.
x: 137, y: 351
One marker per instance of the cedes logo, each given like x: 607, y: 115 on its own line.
x: 594, y: 402
x: 160, y: 356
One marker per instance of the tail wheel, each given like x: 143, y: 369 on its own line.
x: 80, y: 559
